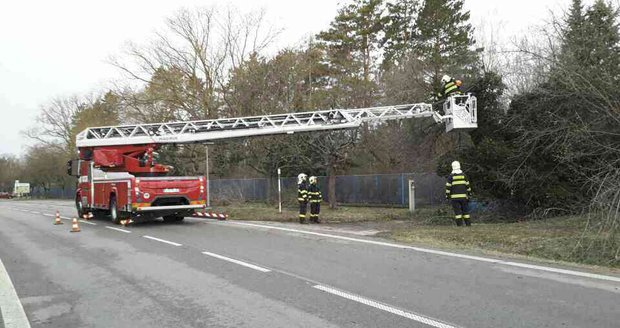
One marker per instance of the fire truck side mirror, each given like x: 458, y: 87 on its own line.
x: 73, y: 167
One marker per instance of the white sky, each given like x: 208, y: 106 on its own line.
x: 60, y: 47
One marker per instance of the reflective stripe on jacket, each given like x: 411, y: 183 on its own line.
x: 458, y: 187
x: 302, y: 192
x: 449, y: 88
x: 314, y: 194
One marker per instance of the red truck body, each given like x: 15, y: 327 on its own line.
x: 122, y: 195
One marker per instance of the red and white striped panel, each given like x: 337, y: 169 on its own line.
x: 211, y: 215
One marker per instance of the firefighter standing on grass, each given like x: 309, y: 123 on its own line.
x: 458, y: 192
x: 315, y: 197
x: 302, y: 196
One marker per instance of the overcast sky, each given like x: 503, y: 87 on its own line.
x: 60, y: 47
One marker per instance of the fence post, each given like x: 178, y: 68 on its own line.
x: 402, y: 189
x: 411, y: 196
x: 279, y: 192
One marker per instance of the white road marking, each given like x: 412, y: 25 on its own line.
x: 91, y: 223
x: 65, y: 218
x: 47, y: 214
x: 437, y: 252
x: 245, y: 264
x: 12, y: 310
x: 118, y: 229
x: 163, y: 241
x: 416, y: 317
x: 35, y: 212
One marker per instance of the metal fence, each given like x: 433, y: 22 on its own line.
x: 53, y: 192
x: 375, y: 189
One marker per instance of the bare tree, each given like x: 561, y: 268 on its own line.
x: 55, y: 122
x: 185, y: 66
x: 335, y: 150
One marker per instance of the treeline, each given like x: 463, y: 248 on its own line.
x: 548, y: 140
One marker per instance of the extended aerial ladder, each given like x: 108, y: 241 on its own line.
x: 118, y: 148
x: 118, y: 174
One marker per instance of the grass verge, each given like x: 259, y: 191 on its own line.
x: 559, y: 239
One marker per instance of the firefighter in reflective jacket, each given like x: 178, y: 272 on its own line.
x: 458, y: 192
x: 302, y: 196
x: 449, y: 86
x: 315, y: 197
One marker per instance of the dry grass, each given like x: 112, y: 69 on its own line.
x: 263, y: 212
x: 553, y: 239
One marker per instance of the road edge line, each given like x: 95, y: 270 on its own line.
x: 13, y: 314
x: 438, y: 252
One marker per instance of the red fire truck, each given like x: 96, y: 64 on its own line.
x: 145, y: 193
x: 118, y: 174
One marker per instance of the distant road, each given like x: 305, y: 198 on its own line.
x: 204, y: 273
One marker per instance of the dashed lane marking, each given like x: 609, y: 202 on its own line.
x: 245, y: 264
x: 163, y: 241
x: 118, y: 229
x: 91, y: 223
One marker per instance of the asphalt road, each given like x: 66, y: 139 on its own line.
x: 204, y: 273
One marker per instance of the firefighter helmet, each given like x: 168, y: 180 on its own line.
x: 301, y: 177
x: 456, y: 166
x: 446, y: 79
x: 313, y: 180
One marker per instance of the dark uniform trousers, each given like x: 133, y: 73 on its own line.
x: 461, y: 211
x: 302, y: 197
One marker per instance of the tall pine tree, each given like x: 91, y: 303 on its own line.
x: 352, y: 42
x: 444, y: 41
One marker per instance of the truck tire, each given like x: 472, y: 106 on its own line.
x: 79, y: 206
x: 173, y: 218
x: 114, y: 211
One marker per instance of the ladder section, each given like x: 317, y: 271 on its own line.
x: 229, y: 128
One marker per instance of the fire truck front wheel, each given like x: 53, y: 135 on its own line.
x: 79, y: 206
x: 114, y: 211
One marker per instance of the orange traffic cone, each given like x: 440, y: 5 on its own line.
x: 126, y: 222
x: 57, y: 220
x: 74, y: 226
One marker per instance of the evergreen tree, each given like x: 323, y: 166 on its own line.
x: 443, y: 41
x: 352, y: 42
x: 399, y: 28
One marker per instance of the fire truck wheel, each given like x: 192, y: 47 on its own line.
x: 173, y: 218
x: 114, y: 211
x: 79, y: 206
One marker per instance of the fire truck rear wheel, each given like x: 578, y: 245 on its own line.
x: 173, y: 218
x: 114, y: 211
